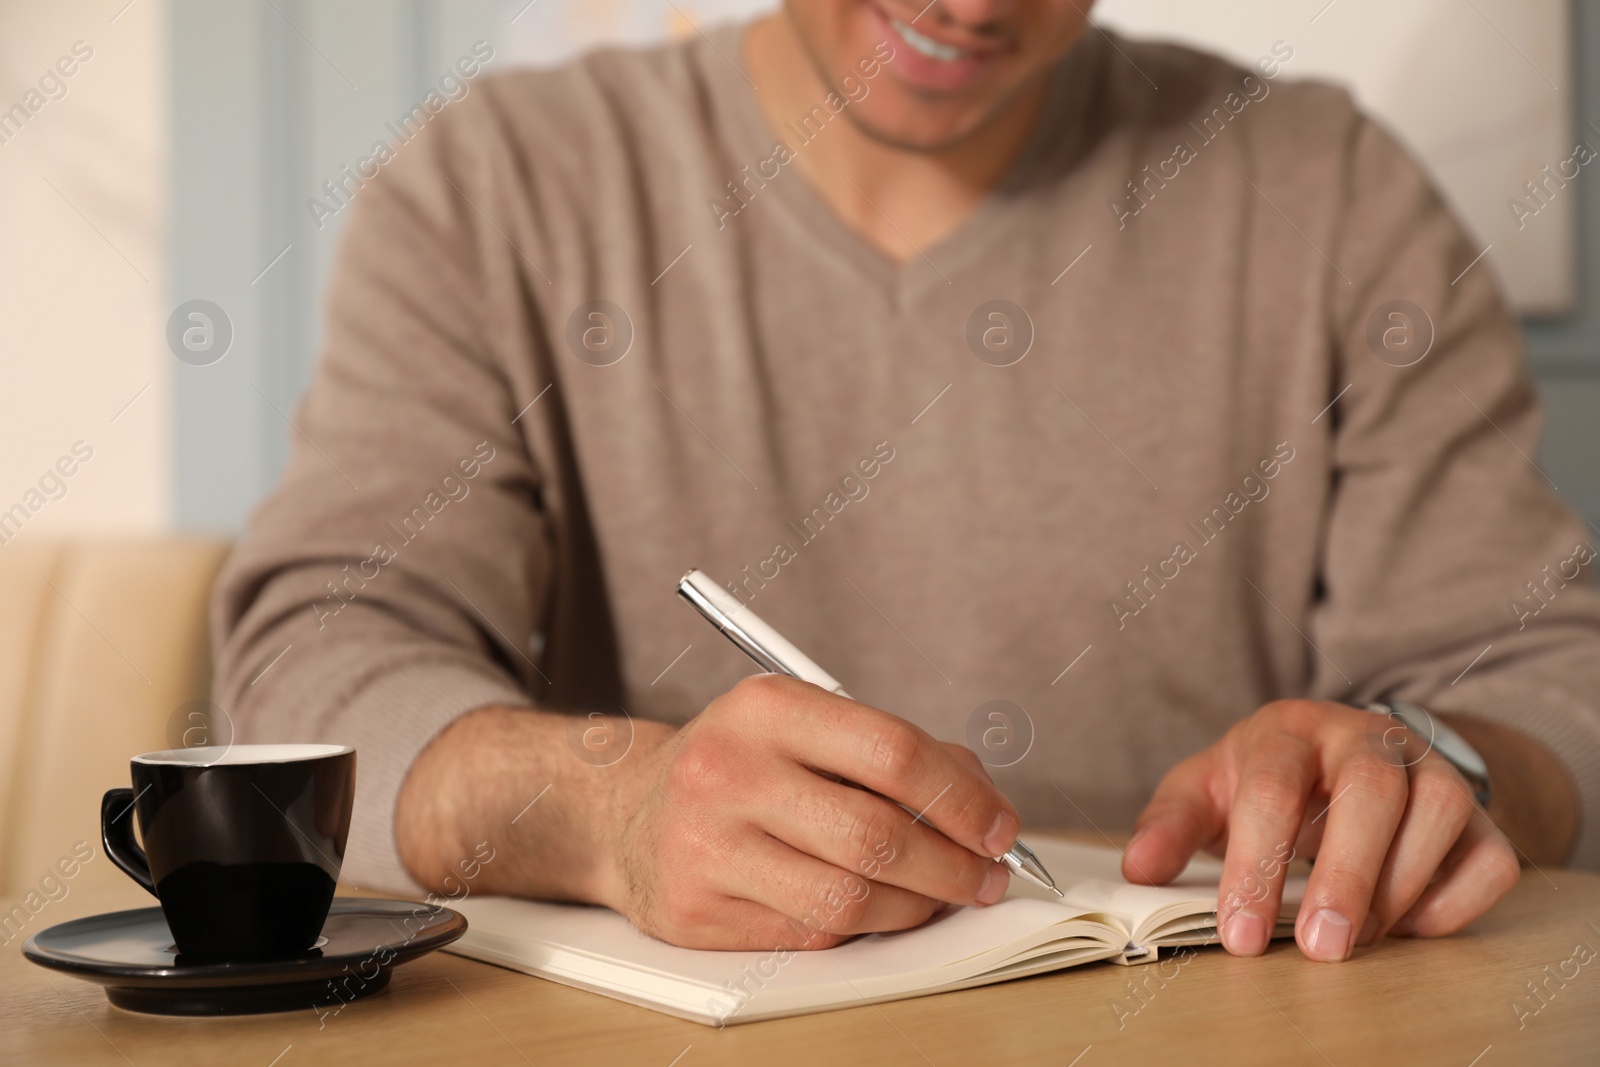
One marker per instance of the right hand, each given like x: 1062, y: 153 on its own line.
x: 736, y: 837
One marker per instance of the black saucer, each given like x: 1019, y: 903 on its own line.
x: 131, y: 953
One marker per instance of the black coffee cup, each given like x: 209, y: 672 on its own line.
x: 242, y: 844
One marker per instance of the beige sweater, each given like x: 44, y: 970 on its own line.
x: 1199, y: 489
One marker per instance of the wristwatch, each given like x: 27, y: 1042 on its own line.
x: 1439, y: 738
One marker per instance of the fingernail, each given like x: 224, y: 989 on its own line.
x: 1245, y: 934
x: 1369, y: 931
x: 994, y: 884
x: 1328, y: 936
x: 1002, y: 834
x: 1403, y: 928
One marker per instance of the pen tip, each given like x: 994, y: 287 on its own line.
x: 1058, y: 892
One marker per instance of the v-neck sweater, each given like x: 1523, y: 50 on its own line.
x: 1144, y: 444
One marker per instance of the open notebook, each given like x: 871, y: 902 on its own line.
x: 1031, y: 931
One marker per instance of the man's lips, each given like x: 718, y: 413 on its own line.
x: 932, y: 59
x: 914, y: 26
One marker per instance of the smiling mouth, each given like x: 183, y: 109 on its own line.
x: 926, y: 45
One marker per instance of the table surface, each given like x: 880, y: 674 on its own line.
x: 1450, y: 1001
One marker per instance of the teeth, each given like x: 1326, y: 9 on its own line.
x: 926, y: 45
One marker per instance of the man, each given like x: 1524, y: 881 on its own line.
x: 990, y: 358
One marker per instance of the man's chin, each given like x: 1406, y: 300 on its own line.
x: 919, y: 133
x: 931, y: 128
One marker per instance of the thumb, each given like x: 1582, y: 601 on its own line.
x: 1180, y: 819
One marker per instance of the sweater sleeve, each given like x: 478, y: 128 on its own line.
x: 1452, y: 573
x: 392, y: 581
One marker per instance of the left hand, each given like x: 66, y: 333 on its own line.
x: 1401, y: 846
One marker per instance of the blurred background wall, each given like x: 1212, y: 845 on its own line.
x: 176, y: 162
x: 83, y: 271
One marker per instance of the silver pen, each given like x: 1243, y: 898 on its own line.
x: 773, y: 653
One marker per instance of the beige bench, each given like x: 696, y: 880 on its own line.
x: 101, y: 642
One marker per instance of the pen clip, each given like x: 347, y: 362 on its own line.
x: 730, y: 629
x: 754, y: 637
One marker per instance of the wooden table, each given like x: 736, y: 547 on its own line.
x: 1442, y: 1002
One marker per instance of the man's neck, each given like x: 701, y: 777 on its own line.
x: 899, y: 200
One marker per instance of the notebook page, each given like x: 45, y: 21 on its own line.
x: 1073, y: 861
x: 1090, y: 877
x: 599, y: 950
x: 541, y: 930
x: 538, y: 931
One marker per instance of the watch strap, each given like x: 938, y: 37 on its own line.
x: 1440, y: 738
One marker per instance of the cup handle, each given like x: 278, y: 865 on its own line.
x: 116, y: 833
